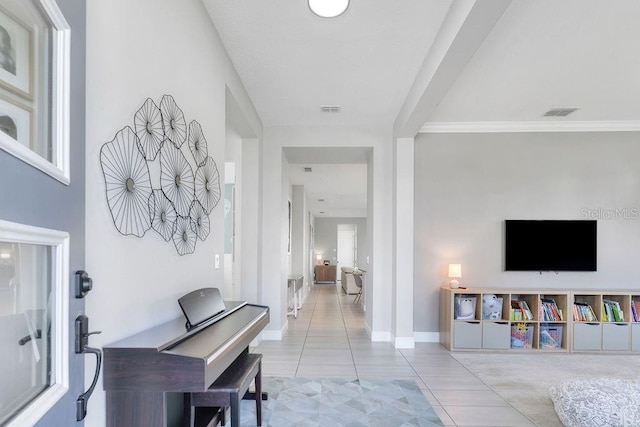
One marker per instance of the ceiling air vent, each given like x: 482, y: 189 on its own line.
x: 307, y: 169
x: 330, y: 108
x: 321, y: 200
x: 559, y: 112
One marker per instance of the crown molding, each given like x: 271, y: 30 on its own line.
x: 537, y: 126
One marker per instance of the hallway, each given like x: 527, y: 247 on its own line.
x: 328, y: 339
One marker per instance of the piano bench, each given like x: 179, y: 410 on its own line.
x: 231, y: 386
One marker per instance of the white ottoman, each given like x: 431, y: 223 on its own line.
x: 597, y: 403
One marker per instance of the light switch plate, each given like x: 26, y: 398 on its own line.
x: 217, y: 261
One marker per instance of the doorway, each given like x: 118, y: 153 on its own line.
x: 347, y: 246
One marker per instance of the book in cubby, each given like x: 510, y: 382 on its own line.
x: 521, y: 309
x: 583, y: 312
x: 586, y: 308
x: 635, y: 309
x: 611, y: 311
x: 550, y: 312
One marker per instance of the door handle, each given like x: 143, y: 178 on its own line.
x: 37, y: 334
x: 82, y: 347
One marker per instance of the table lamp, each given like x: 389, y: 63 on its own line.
x: 455, y: 272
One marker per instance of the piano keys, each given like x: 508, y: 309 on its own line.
x: 146, y: 374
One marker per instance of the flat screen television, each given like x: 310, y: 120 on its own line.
x: 550, y: 245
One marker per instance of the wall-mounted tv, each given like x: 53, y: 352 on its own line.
x: 550, y: 245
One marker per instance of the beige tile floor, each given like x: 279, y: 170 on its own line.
x: 328, y: 339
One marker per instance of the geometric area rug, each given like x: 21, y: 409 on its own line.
x: 340, y: 402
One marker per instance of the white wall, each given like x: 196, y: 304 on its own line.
x: 467, y: 184
x: 136, y: 50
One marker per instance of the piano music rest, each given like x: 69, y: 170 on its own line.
x: 229, y: 389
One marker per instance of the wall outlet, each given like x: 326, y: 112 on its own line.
x: 217, y: 261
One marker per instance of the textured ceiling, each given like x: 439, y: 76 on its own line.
x: 458, y: 65
x: 546, y: 54
x: 292, y: 62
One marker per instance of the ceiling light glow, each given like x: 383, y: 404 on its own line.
x: 328, y: 8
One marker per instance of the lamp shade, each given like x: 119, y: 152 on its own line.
x: 455, y: 270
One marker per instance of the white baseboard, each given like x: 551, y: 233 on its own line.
x: 367, y: 328
x: 405, y: 342
x: 272, y: 335
x: 381, y: 336
x: 426, y: 336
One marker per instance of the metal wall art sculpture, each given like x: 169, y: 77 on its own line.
x: 179, y: 209
x: 128, y: 182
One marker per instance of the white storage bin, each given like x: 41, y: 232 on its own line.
x: 587, y: 336
x: 467, y: 335
x: 615, y: 336
x: 496, y: 335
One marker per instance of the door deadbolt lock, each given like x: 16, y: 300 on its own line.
x: 83, y: 283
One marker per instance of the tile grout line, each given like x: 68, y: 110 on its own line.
x: 493, y: 390
x: 304, y: 343
x: 346, y: 331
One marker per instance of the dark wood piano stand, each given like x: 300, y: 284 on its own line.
x: 227, y: 391
x: 146, y: 376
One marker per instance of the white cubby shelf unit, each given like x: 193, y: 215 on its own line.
x: 539, y: 320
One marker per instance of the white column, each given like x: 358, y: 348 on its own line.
x: 273, y: 244
x: 403, y: 242
x: 378, y: 292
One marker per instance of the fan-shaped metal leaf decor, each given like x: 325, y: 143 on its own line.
x: 197, y: 142
x: 199, y: 220
x: 126, y: 175
x: 208, y: 185
x: 184, y: 237
x: 163, y: 215
x: 176, y: 178
x: 180, y: 209
x: 148, y: 125
x: 175, y: 127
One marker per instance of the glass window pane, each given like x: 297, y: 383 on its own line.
x: 25, y: 38
x: 25, y: 324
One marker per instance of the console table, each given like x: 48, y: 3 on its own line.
x: 325, y: 273
x: 294, y: 289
